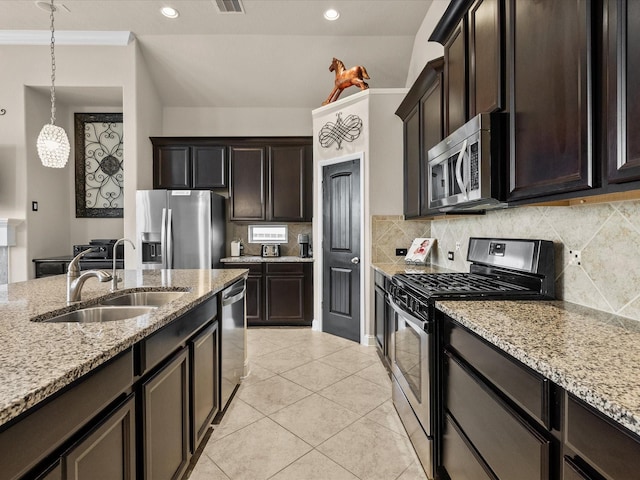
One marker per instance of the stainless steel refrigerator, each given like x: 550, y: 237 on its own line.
x: 179, y: 229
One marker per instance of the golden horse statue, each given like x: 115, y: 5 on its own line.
x: 345, y: 78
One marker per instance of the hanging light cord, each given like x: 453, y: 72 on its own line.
x: 53, y: 68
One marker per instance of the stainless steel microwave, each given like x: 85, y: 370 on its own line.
x: 466, y: 169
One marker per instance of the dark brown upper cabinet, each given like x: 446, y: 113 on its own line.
x: 272, y: 181
x: 422, y: 115
x: 550, y: 104
x: 247, y: 195
x: 486, y: 53
x: 290, y: 186
x: 188, y: 163
x: 455, y: 78
x: 622, y: 107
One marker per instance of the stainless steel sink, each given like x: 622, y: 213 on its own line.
x: 154, y: 299
x: 102, y: 314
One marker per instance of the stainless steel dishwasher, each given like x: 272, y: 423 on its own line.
x: 232, y: 341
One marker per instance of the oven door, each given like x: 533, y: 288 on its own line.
x: 411, y: 363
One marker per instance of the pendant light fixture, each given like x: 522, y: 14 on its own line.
x: 53, y: 143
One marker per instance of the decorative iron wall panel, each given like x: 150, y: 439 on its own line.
x: 99, y: 164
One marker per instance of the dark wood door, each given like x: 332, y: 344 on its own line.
x: 485, y: 57
x: 622, y: 62
x: 412, y: 190
x: 290, y: 183
x: 172, y: 167
x: 431, y: 115
x: 288, y: 294
x: 550, y: 101
x: 107, y: 452
x: 165, y: 412
x: 209, y: 165
x: 247, y: 189
x: 204, y: 382
x: 341, y: 249
x: 455, y: 79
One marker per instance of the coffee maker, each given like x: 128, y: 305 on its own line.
x: 303, y: 240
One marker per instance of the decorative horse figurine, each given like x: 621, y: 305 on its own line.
x: 345, y: 78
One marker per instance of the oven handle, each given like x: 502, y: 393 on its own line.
x: 459, y: 178
x: 421, y: 324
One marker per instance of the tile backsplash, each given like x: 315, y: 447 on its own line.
x: 606, y: 235
x: 239, y: 231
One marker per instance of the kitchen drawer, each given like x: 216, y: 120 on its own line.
x: 458, y: 456
x: 521, y: 384
x: 571, y: 471
x: 254, y: 268
x: 159, y: 345
x: 506, y: 442
x: 600, y: 442
x: 288, y: 268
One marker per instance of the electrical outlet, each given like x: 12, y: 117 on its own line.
x: 576, y: 257
x: 401, y: 252
x: 458, y: 246
x: 34, y: 206
x: 450, y: 255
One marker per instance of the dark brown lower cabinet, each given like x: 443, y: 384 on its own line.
x: 204, y: 382
x: 165, y: 411
x: 288, y: 294
x: 278, y: 293
x: 595, y: 446
x: 509, y: 446
x: 108, y: 451
x: 459, y: 456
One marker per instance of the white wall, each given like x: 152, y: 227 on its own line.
x: 424, y: 50
x: 241, y: 122
x: 25, y: 72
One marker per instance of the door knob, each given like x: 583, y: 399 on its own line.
x: 355, y: 260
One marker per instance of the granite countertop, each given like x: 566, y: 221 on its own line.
x: 390, y: 269
x: 592, y: 354
x: 39, y: 358
x: 259, y: 259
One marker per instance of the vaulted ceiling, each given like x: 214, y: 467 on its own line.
x: 275, y: 54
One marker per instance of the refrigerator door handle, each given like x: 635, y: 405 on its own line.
x: 163, y: 238
x: 169, y: 239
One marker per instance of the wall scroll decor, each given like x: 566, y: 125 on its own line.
x: 345, y: 78
x: 99, y: 165
x: 2, y: 111
x: 348, y: 130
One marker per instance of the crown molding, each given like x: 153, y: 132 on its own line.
x: 66, y: 37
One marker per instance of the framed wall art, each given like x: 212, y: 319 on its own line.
x: 99, y: 165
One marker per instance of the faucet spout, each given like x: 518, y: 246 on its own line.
x: 74, y: 286
x: 114, y: 276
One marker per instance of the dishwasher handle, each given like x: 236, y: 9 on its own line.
x: 233, y: 296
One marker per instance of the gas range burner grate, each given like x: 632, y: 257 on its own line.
x: 457, y: 284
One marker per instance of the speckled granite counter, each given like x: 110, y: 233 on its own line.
x: 38, y: 358
x: 390, y: 269
x: 259, y: 259
x: 592, y: 354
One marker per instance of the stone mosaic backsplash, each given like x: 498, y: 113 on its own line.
x: 240, y: 231
x: 389, y: 232
x: 606, y: 235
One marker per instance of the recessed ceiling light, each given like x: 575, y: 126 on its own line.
x: 169, y: 12
x: 331, y: 14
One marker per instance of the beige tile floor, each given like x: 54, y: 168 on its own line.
x: 314, y: 406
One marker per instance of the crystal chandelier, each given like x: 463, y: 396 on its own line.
x: 53, y: 143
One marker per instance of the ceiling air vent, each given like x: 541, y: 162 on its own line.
x: 229, y: 6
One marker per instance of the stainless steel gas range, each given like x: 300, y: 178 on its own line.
x: 500, y: 269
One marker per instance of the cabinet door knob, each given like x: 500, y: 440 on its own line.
x: 355, y: 260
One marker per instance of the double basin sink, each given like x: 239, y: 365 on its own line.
x: 121, y: 307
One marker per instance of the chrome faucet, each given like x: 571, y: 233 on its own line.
x: 75, y: 280
x: 114, y: 279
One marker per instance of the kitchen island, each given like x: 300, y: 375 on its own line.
x: 43, y: 363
